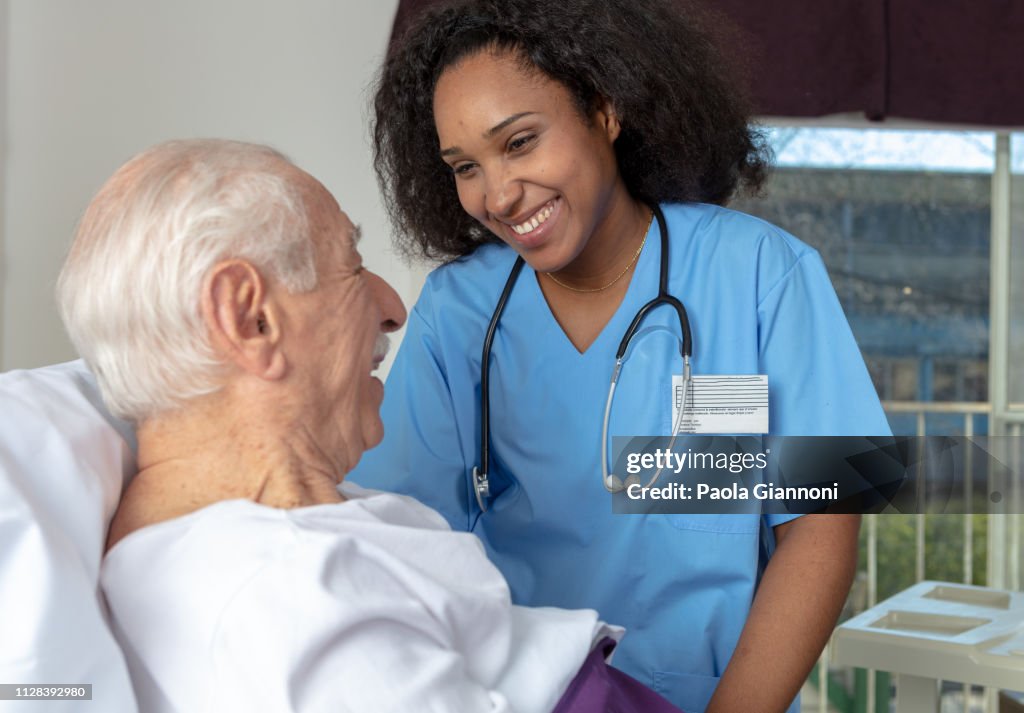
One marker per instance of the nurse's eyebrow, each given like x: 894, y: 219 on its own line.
x: 501, y: 125
x: 452, y: 150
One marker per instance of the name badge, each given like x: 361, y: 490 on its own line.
x: 722, y: 403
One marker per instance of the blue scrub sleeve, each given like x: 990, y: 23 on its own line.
x: 823, y: 387
x: 421, y: 454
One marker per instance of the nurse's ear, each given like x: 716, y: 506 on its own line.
x: 605, y: 118
x: 242, y: 319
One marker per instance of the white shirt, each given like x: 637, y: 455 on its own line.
x: 373, y: 604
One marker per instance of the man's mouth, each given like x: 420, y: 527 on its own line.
x: 380, y: 350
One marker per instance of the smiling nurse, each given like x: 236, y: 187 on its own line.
x: 558, y: 132
x: 567, y: 210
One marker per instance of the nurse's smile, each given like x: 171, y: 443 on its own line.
x: 538, y: 219
x: 535, y: 229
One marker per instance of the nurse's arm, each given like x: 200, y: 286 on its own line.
x: 794, y: 611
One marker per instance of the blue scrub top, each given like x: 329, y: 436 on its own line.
x: 759, y: 302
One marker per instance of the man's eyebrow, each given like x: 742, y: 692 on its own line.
x: 357, y: 234
x: 451, y: 150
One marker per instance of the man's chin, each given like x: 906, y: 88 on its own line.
x: 373, y: 427
x: 373, y: 432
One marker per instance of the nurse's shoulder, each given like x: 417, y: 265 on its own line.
x: 740, y: 241
x: 466, y: 288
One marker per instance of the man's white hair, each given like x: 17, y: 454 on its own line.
x: 129, y: 291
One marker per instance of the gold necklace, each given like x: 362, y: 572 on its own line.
x: 617, y: 277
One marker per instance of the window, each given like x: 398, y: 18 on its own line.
x: 902, y: 220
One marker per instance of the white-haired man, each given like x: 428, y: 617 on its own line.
x: 217, y: 292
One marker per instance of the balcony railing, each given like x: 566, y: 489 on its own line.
x: 1003, y: 543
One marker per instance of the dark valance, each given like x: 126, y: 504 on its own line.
x: 955, y: 61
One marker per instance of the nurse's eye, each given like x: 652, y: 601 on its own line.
x: 463, y: 170
x: 521, y: 143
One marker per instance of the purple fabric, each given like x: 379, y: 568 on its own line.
x: 599, y: 688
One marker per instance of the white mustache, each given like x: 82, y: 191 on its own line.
x: 381, y: 347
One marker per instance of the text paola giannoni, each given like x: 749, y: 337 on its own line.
x: 665, y: 459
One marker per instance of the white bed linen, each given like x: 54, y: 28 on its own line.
x: 371, y: 605
x: 63, y: 462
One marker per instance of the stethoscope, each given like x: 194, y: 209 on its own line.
x: 611, y: 482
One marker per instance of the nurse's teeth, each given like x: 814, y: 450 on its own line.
x: 534, y: 222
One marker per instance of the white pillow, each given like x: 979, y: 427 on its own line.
x: 64, y: 461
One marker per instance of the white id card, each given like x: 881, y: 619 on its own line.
x: 722, y: 403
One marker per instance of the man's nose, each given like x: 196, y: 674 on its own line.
x: 392, y: 311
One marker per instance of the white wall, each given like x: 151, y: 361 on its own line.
x: 4, y: 54
x: 91, y: 83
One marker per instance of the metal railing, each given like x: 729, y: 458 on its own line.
x: 1003, y: 545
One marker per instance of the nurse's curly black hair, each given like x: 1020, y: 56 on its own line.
x: 685, y: 132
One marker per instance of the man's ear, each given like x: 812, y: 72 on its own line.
x: 242, y: 319
x: 607, y: 119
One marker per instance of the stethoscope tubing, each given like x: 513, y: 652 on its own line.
x: 481, y: 483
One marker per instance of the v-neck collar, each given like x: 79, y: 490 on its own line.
x: 643, y: 287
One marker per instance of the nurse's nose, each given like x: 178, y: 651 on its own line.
x: 504, y: 194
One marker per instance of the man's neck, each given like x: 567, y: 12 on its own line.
x: 199, y: 456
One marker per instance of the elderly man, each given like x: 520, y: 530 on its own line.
x: 217, y: 292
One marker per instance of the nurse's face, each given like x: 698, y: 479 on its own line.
x: 526, y: 163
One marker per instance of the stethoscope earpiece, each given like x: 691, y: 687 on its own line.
x: 613, y: 483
